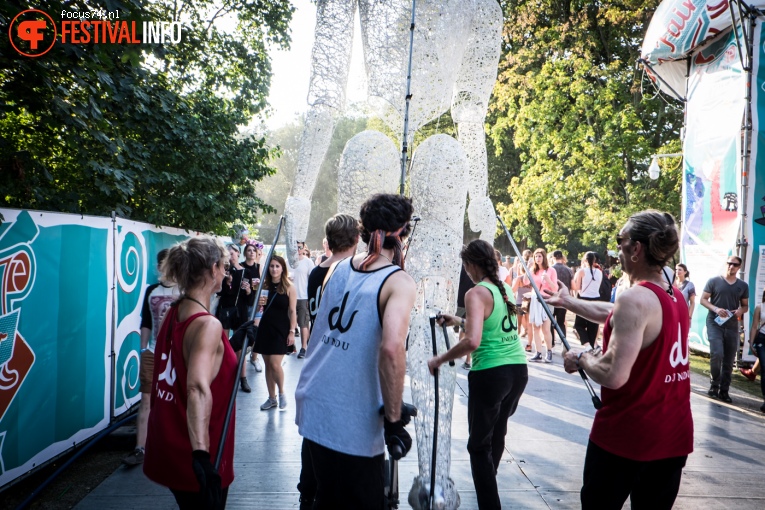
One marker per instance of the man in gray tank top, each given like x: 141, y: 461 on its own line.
x: 356, y: 363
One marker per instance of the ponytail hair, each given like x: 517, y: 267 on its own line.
x: 590, y: 258
x: 187, y: 263
x: 481, y: 254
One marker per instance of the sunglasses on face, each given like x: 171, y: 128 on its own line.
x: 734, y: 264
x: 620, y: 239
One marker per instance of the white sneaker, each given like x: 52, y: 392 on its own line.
x: 270, y: 403
x: 282, y: 402
x: 258, y: 365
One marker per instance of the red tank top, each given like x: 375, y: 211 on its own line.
x: 168, y: 447
x: 649, y: 418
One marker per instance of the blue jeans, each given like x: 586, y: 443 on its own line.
x: 723, y: 344
x: 759, y: 349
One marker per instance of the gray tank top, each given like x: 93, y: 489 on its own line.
x: 338, y: 396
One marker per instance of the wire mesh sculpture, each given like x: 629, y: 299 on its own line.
x: 435, y: 266
x: 467, y: 32
x: 454, y: 66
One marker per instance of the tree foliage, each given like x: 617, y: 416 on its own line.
x: 569, y: 97
x: 150, y: 131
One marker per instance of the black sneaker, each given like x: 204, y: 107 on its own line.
x: 301, y: 354
x: 134, y: 458
x: 244, y: 385
x: 713, y: 392
x: 725, y: 397
x: 762, y: 408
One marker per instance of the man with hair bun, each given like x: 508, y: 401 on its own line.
x: 642, y: 435
x: 356, y: 363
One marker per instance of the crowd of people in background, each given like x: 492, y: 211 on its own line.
x: 200, y: 316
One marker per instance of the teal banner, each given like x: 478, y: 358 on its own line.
x: 711, y: 169
x: 137, y: 246
x: 755, y: 227
x: 71, y: 290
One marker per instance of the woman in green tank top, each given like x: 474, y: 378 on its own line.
x: 499, y: 373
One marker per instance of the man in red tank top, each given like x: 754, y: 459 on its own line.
x: 642, y: 435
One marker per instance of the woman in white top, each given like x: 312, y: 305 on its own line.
x: 587, y: 282
x: 520, y: 288
x: 546, y: 278
x: 503, y: 272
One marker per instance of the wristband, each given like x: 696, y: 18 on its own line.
x: 462, y: 324
x: 144, y: 349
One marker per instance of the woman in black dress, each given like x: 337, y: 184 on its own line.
x: 275, y: 329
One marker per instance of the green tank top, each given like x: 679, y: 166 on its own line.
x: 500, y: 344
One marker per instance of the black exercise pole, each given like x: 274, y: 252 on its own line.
x: 446, y: 341
x: 243, y: 352
x: 595, y: 399
x: 435, y: 418
x: 415, y: 219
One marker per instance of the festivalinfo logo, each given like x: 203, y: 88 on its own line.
x: 33, y: 32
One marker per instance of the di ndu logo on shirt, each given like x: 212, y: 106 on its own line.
x: 678, y: 358
x: 33, y: 32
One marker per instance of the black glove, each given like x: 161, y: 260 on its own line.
x: 397, y: 438
x: 246, y: 330
x: 209, y: 479
x: 407, y: 411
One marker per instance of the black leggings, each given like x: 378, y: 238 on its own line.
x: 493, y: 397
x: 609, y: 479
x: 587, y: 330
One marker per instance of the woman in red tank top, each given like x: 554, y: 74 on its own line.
x: 194, y: 374
x: 642, y: 435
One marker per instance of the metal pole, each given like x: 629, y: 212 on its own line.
x: 595, y: 400
x: 243, y: 353
x: 113, y: 364
x: 742, y: 244
x: 404, y: 148
x: 434, y: 456
x: 662, y: 80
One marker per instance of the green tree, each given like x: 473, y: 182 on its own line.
x: 568, y: 96
x: 151, y: 131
